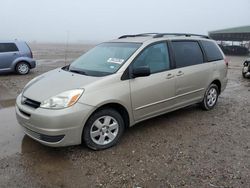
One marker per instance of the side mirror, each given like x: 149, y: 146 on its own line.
x: 141, y: 71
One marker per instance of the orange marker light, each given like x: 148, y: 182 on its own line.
x: 73, y: 100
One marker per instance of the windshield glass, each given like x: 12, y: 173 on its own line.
x: 104, y: 59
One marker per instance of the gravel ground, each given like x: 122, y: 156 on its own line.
x: 185, y: 148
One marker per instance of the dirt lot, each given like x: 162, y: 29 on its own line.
x: 185, y: 148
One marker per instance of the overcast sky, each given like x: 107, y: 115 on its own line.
x: 98, y: 20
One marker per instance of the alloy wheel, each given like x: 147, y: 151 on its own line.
x: 211, y: 97
x: 104, y: 130
x: 23, y: 68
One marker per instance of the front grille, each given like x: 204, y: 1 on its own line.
x: 31, y: 103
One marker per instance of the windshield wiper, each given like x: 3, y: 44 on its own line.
x: 78, y: 72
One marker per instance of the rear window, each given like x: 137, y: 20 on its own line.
x: 212, y: 51
x: 8, y: 47
x: 187, y: 53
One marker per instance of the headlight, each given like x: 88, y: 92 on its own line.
x: 63, y: 100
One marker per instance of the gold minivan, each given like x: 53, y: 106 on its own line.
x: 118, y: 84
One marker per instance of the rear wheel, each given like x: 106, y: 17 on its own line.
x: 103, y: 129
x: 210, y: 98
x: 22, y: 68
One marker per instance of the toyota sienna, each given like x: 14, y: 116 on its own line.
x: 118, y: 84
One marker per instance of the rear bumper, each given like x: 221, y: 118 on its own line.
x: 224, y: 84
x: 53, y: 127
x: 32, y: 64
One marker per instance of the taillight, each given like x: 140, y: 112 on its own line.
x: 31, y: 54
x: 226, y: 61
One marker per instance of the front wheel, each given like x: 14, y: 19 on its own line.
x: 210, y: 97
x: 103, y: 129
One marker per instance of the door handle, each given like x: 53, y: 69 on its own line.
x: 179, y: 73
x: 169, y: 76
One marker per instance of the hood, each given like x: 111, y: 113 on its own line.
x: 54, y: 83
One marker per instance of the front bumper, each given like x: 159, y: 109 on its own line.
x: 53, y: 127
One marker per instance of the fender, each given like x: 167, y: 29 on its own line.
x: 30, y: 61
x: 121, y: 103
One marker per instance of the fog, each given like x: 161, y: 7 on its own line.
x: 96, y: 20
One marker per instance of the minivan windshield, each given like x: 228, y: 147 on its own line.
x: 104, y: 59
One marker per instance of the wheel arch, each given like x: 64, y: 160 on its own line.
x: 218, y: 83
x: 116, y: 106
x: 18, y: 60
x: 120, y: 108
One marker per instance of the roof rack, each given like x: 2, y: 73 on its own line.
x: 138, y: 35
x: 179, y: 34
x: 158, y: 35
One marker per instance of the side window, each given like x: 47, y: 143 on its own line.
x: 155, y: 56
x: 8, y: 47
x: 212, y: 51
x: 187, y: 53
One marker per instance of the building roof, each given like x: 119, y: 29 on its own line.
x: 231, y: 34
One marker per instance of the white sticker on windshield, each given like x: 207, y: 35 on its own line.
x: 115, y: 60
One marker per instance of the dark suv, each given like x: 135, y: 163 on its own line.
x: 16, y: 56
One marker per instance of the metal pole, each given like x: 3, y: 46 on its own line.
x: 66, y: 48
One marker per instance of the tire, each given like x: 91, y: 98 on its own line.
x: 210, y: 98
x: 103, y: 129
x: 22, y: 68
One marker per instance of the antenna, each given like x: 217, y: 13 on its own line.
x: 66, y: 48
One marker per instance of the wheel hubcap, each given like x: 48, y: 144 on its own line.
x: 211, y: 97
x: 23, y: 68
x: 104, y: 130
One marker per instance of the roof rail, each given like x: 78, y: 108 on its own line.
x: 159, y: 35
x: 138, y: 35
x: 180, y: 34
